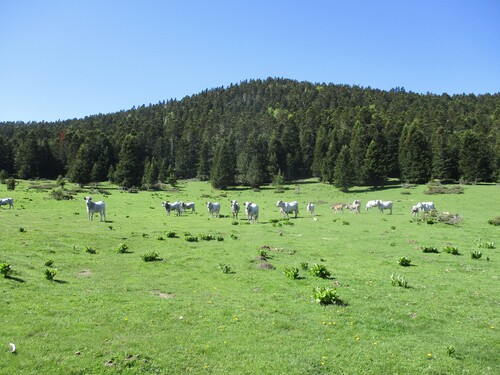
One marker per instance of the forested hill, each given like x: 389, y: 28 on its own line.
x: 253, y: 131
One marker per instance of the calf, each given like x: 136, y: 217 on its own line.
x: 95, y: 207
x: 338, y: 207
x: 189, y: 206
x: 310, y: 208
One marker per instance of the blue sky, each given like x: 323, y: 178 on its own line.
x: 63, y: 59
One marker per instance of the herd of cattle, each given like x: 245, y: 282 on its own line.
x: 251, y: 209
x: 286, y: 208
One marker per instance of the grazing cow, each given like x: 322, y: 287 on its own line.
x: 414, y: 210
x: 310, y: 208
x: 7, y: 201
x: 338, y: 207
x: 385, y: 205
x: 213, y: 209
x: 235, y: 209
x: 355, y: 206
x: 176, y: 207
x: 371, y: 204
x: 95, y: 207
x: 426, y: 206
x: 288, y: 207
x: 252, y: 210
x: 189, y: 206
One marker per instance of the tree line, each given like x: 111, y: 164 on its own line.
x: 251, y: 132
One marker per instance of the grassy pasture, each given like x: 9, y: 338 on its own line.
x: 112, y: 312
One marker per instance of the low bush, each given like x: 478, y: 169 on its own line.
x: 90, y: 250
x: 50, y: 274
x: 49, y: 263
x: 291, y: 273
x: 151, y: 257
x: 122, y: 248
x: 495, y: 221
x: 451, y: 250
x: 398, y: 280
x: 326, y: 295
x: 225, y: 268
x: 320, y: 270
x: 60, y: 195
x: 304, y: 266
x: 430, y: 249
x: 206, y: 237
x: 262, y: 253
x: 5, y: 269
x: 486, y: 245
x: 475, y: 254
x: 171, y: 234
x: 233, y: 236
x: 405, y: 262
x: 191, y: 238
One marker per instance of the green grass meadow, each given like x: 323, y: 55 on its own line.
x: 112, y: 312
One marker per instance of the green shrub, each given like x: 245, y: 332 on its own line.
x: 344, y: 222
x: 234, y: 222
x: 206, y: 237
x: 476, y: 254
x: 191, y: 238
x: 21, y: 230
x: 326, y: 295
x: 262, y: 253
x: 220, y: 238
x: 226, y: 268
x: 430, y: 249
x: 495, y: 221
x: 405, y: 262
x: 49, y: 263
x: 304, y: 265
x: 233, y: 236
x: 5, y: 269
x: 90, y: 250
x: 291, y: 273
x: 171, y: 234
x: 151, y: 257
x: 320, y: 270
x: 60, y: 195
x: 11, y: 184
x: 398, y: 280
x: 50, y: 274
x: 451, y: 250
x: 486, y: 245
x: 122, y: 248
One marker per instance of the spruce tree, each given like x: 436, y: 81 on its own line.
x: 81, y: 168
x: 374, y: 170
x: 129, y: 169
x: 414, y: 154
x: 357, y: 149
x: 222, y: 172
x: 474, y: 158
x: 343, y: 178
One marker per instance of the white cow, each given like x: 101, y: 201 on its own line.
x: 235, y: 209
x: 252, y: 210
x: 414, y: 210
x: 189, y: 206
x: 372, y: 204
x: 176, y: 207
x: 7, y: 201
x: 288, y: 207
x: 355, y: 206
x: 385, y: 205
x: 310, y: 208
x: 213, y: 209
x: 426, y: 206
x: 95, y: 207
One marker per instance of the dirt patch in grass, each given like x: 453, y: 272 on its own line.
x: 163, y: 295
x: 85, y: 273
x: 266, y: 265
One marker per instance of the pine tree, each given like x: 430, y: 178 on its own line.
x: 129, y: 168
x: 26, y: 157
x: 357, y: 149
x: 414, y: 154
x: 203, y: 170
x: 474, y: 158
x: 81, y: 168
x: 222, y: 172
x: 374, y: 172
x: 343, y: 178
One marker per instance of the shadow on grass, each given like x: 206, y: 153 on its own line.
x: 60, y: 281
x: 15, y: 279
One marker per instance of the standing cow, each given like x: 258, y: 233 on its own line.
x: 213, y: 209
x: 235, y: 209
x: 310, y: 208
x: 288, y: 207
x: 95, y: 207
x: 252, y: 211
x: 7, y: 201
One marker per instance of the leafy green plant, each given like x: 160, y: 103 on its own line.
x: 151, y: 257
x: 160, y: 238
x: 206, y: 237
x: 220, y: 238
x: 90, y: 250
x: 304, y: 265
x: 291, y: 273
x: 393, y: 227
x: 122, y: 248
x: 233, y: 236
x: 405, y: 262
x: 21, y: 230
x: 50, y: 274
x: 430, y: 249
x: 495, y: 221
x: 451, y: 351
x: 171, y: 234
x: 49, y: 263
x: 451, y: 250
x: 486, y: 245
x: 345, y: 222
x: 262, y: 253
x: 234, y: 222
x: 398, y: 280
x: 326, y: 295
x: 226, y: 268
x: 190, y: 238
x: 5, y: 269
x: 476, y: 254
x: 320, y: 270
